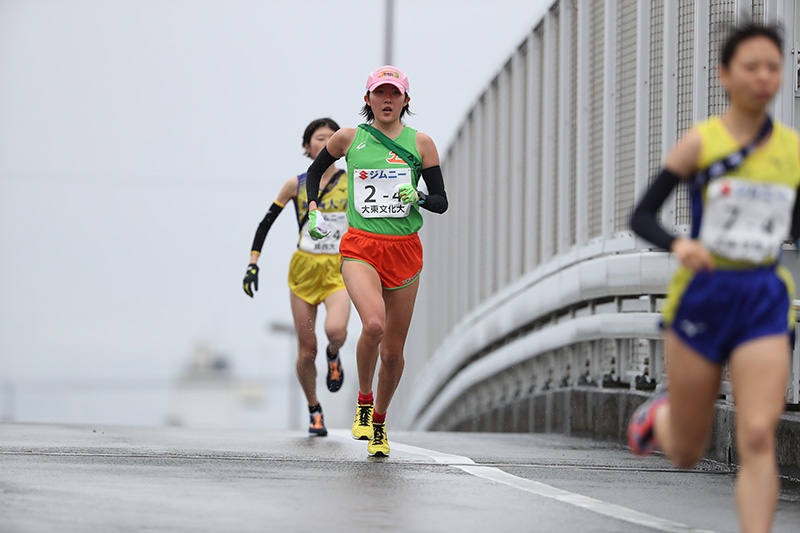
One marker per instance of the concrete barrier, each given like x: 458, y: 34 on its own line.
x: 604, y: 413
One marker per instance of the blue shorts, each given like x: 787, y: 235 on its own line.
x: 716, y: 312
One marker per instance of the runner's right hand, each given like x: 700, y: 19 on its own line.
x: 692, y: 254
x: 317, y: 226
x: 250, y: 282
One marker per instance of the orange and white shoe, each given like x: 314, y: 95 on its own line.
x: 316, y: 425
x: 335, y: 376
x: 641, y: 428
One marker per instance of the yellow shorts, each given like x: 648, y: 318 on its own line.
x: 314, y: 277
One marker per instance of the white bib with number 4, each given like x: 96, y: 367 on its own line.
x: 375, y: 192
x: 337, y: 223
x: 745, y: 220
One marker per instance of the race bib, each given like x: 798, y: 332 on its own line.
x: 375, y: 192
x: 337, y: 222
x: 745, y: 220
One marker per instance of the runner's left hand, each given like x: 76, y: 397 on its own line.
x: 408, y: 194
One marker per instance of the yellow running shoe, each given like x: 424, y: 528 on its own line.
x: 379, y: 445
x: 362, y: 425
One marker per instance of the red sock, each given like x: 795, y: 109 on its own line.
x: 365, y: 398
x: 378, y: 418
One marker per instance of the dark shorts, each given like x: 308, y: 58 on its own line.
x: 716, y: 312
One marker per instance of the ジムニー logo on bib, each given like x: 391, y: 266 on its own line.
x: 375, y: 192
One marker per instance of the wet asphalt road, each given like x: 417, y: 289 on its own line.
x: 114, y: 479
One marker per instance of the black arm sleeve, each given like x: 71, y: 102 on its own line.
x: 263, y: 228
x: 315, y: 172
x: 644, y: 221
x: 436, y: 199
x: 795, y: 233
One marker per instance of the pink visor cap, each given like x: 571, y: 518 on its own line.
x: 387, y: 74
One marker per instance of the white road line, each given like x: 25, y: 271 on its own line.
x: 491, y: 473
x: 585, y: 502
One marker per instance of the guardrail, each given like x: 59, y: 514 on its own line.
x: 591, y: 322
x: 532, y: 279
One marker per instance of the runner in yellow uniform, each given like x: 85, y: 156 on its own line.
x: 729, y: 301
x: 314, y: 276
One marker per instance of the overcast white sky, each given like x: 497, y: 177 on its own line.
x: 142, y: 141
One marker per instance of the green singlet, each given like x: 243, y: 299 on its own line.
x: 374, y: 174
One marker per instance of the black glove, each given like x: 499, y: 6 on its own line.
x: 250, y: 282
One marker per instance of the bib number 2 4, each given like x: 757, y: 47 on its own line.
x: 376, y: 192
